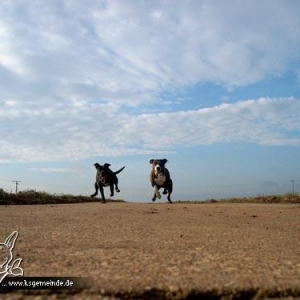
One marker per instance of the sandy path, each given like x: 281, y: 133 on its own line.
x: 160, y: 250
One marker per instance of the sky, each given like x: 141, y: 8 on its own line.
x: 212, y: 86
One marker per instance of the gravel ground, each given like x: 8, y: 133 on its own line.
x: 159, y: 250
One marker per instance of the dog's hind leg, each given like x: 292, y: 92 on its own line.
x: 117, y: 188
x: 96, y: 190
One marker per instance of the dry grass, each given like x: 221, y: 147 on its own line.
x: 286, y: 198
x: 35, y: 197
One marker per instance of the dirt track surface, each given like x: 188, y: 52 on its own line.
x: 159, y: 251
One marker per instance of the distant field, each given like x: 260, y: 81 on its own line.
x: 35, y: 197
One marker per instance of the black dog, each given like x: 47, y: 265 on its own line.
x: 105, y: 177
x: 160, y: 178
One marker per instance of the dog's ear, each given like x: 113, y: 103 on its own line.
x: 164, y: 160
x: 97, y: 166
x: 11, y: 239
x: 151, y: 161
x: 106, y: 166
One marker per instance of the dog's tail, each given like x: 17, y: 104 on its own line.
x: 117, y: 172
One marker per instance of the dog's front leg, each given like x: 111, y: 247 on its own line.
x: 154, y: 197
x: 96, y: 190
x: 102, y: 193
x: 169, y: 197
x: 157, y: 193
x: 111, y: 190
x: 170, y: 189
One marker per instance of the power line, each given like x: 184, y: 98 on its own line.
x: 293, y: 186
x: 5, y: 180
x: 17, y: 183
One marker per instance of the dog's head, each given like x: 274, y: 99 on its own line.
x: 102, y: 173
x: 6, y: 253
x: 102, y: 168
x: 158, y: 165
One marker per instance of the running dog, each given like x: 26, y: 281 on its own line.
x: 106, y: 177
x: 160, y: 178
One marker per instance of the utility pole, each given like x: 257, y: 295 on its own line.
x: 293, y: 187
x: 17, y: 183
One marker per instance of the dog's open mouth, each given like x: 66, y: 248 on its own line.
x: 103, y: 180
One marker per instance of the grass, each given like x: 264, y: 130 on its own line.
x: 286, y: 198
x: 35, y: 197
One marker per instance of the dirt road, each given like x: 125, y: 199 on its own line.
x: 159, y: 251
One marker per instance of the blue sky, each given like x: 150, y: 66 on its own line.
x: 213, y: 86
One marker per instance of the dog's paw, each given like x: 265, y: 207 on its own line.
x: 117, y: 190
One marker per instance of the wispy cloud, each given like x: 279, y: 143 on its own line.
x: 265, y: 121
x: 50, y: 170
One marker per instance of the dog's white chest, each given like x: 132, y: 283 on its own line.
x: 160, y: 179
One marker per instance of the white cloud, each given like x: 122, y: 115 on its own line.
x: 130, y: 53
x: 9, y: 58
x: 91, y: 130
x: 78, y: 77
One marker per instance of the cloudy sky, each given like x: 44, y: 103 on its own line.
x: 213, y: 86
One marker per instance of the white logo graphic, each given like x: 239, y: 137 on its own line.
x: 8, y: 266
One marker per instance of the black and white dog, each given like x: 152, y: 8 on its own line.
x: 106, y: 177
x: 160, y: 178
